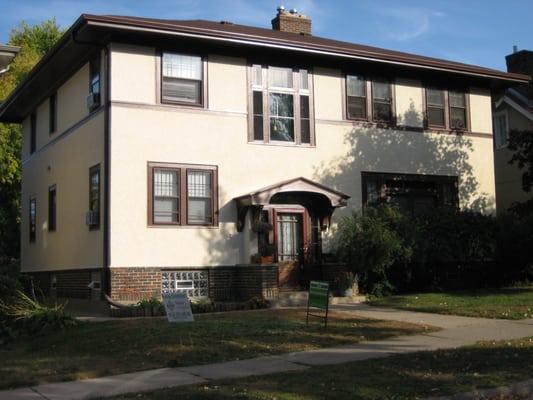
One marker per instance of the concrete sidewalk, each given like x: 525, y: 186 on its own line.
x: 456, y: 332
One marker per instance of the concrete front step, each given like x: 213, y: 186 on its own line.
x: 298, y: 298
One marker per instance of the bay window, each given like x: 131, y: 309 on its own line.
x: 280, y: 105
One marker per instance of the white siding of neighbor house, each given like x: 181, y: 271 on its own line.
x: 142, y: 130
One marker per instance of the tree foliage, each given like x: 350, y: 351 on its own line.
x: 34, y: 41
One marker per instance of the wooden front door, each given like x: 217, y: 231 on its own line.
x: 289, y: 234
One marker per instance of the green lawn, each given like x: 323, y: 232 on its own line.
x: 409, y: 376
x: 106, y: 348
x: 503, y: 303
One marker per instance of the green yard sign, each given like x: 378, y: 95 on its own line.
x: 318, y: 298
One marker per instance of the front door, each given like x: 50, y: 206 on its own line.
x: 290, y: 247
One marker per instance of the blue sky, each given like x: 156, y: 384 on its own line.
x: 477, y: 32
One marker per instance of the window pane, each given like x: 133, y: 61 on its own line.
x: 436, y: 116
x: 258, y: 103
x: 382, y: 112
x: 305, y: 131
x: 51, y: 209
x: 457, y: 99
x: 258, y: 127
x: 33, y: 219
x: 182, y: 90
x: 281, y: 105
x: 257, y: 75
x: 356, y: 107
x: 165, y: 183
x: 457, y: 118
x: 304, y: 106
x: 165, y: 210
x: 182, y: 66
x: 280, y: 77
x: 94, y: 201
x: 282, y: 129
x: 435, y: 97
x: 355, y: 86
x: 304, y: 79
x: 500, y: 131
x: 199, y: 197
x: 381, y: 90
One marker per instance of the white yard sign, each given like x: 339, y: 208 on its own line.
x: 177, y: 307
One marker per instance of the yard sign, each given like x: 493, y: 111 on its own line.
x: 318, y: 298
x: 177, y: 307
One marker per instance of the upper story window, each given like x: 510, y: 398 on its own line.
x: 369, y: 100
x: 182, y: 79
x: 33, y: 132
x: 501, y: 130
x: 436, y: 108
x: 93, y: 100
x: 457, y: 110
x: 33, y: 219
x: 181, y: 194
x: 281, y: 105
x: 53, y: 113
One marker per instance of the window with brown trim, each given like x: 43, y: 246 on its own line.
x: 53, y: 113
x: 94, y: 197
x: 281, y: 105
x: 356, y: 97
x: 436, y: 108
x: 33, y: 219
x: 412, y: 193
x: 94, y: 82
x: 52, y: 208
x: 458, y: 110
x: 182, y: 79
x: 382, y: 101
x: 33, y: 132
x: 182, y: 194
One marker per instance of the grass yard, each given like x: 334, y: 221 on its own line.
x: 512, y: 303
x: 409, y: 376
x: 106, y: 348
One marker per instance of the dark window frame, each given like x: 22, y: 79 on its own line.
x: 444, y: 108
x: 297, y: 93
x: 367, y: 98
x: 52, y: 114
x: 466, y: 109
x: 32, y: 220
x: 95, y: 169
x: 95, y: 73
x: 203, y: 81
x: 391, y: 120
x: 381, y: 177
x: 33, y: 132
x: 182, y: 170
x: 52, y: 208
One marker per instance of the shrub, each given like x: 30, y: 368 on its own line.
x: 152, y: 306
x: 22, y: 315
x: 257, y: 302
x: 202, y: 306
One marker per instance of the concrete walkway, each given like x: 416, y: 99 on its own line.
x: 456, y: 332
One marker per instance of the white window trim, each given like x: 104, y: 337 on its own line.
x: 505, y: 114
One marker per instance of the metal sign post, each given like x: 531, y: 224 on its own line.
x: 318, y: 298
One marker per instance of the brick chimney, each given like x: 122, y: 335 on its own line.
x: 521, y: 62
x: 291, y: 21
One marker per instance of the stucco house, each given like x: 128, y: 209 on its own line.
x: 513, y: 109
x: 167, y: 155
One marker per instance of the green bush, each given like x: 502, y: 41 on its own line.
x: 21, y: 315
x: 256, y: 303
x: 202, y: 306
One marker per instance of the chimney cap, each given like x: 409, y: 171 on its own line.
x: 281, y: 8
x: 293, y: 11
x: 515, y: 48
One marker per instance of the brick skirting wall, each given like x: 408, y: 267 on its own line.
x: 69, y: 283
x: 226, y: 283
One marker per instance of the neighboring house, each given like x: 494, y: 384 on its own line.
x: 158, y: 154
x: 7, y: 54
x: 512, y: 110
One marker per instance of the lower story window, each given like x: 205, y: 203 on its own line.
x: 193, y: 283
x: 413, y: 194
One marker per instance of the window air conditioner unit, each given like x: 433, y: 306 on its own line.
x: 93, y: 100
x: 92, y: 218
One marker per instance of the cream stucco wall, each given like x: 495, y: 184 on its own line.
x: 218, y: 136
x: 63, y: 159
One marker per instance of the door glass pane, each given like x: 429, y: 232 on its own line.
x: 289, y: 237
x: 280, y: 77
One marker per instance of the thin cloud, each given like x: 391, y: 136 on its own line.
x: 406, y: 23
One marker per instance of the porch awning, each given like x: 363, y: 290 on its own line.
x: 316, y: 197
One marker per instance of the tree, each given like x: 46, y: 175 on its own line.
x: 35, y: 41
x: 521, y: 143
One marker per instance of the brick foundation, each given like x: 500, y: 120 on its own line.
x: 226, y: 283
